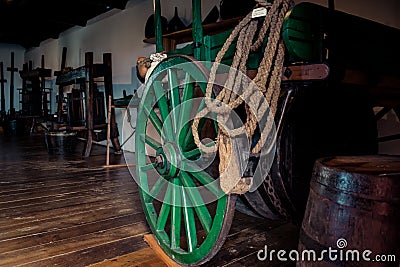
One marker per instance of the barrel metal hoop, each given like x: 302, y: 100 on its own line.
x: 359, y: 204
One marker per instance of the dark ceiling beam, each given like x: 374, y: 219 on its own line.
x: 17, y: 3
x: 29, y: 22
x: 67, y: 21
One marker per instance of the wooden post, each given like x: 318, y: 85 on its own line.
x: 45, y: 110
x: 108, y: 130
x: 12, y: 69
x: 108, y: 88
x: 60, y: 87
x: 89, y: 102
x: 2, y: 81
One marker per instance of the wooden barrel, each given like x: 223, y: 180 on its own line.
x: 354, y: 204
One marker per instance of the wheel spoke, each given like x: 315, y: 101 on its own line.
x: 186, y: 108
x: 148, y: 167
x: 150, y: 141
x: 188, y: 88
x: 192, y: 153
x: 189, y: 136
x: 189, y: 222
x: 164, y: 109
x: 195, y: 153
x: 203, y: 177
x: 154, y: 119
x: 175, y: 98
x: 176, y: 214
x: 156, y: 189
x: 195, y: 198
x: 189, y: 140
x: 165, y: 209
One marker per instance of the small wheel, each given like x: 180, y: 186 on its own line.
x: 186, y: 210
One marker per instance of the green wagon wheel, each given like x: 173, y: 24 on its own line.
x: 185, y: 208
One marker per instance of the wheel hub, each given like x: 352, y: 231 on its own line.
x: 168, y: 160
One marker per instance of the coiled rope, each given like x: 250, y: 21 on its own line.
x: 237, y: 89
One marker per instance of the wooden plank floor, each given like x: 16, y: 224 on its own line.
x: 58, y: 210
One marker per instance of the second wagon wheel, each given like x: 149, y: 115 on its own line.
x: 185, y: 208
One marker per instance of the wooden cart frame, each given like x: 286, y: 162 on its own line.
x: 188, y: 228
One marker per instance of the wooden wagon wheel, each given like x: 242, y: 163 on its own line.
x: 175, y: 194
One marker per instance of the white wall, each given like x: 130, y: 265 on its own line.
x: 122, y: 32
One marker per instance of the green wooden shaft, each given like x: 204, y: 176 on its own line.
x: 176, y: 214
x: 165, y: 210
x: 189, y: 222
x: 157, y: 26
x: 197, y: 28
